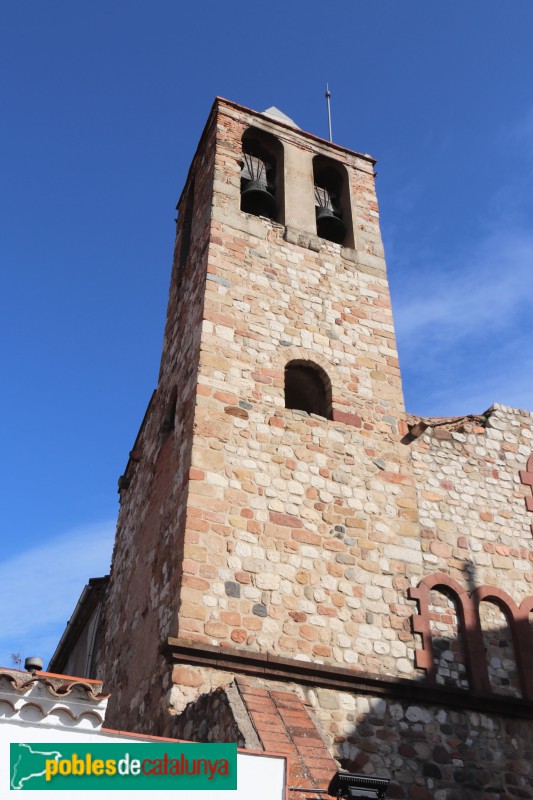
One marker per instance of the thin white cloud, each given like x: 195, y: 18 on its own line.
x: 463, y: 317
x: 463, y: 333
x: 39, y: 588
x: 510, y: 385
x: 487, y: 289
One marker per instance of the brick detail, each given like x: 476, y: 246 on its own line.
x: 284, y: 726
x: 470, y: 629
x: 347, y: 418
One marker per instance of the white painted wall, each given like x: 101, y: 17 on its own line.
x: 259, y: 776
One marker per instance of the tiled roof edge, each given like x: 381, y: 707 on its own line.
x: 56, y: 687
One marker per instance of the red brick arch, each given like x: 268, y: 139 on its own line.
x: 470, y: 627
x: 505, y: 602
x: 526, y: 606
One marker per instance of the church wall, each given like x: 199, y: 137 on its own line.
x: 254, y: 532
x: 475, y: 530
x: 428, y: 752
x: 146, y: 574
x: 303, y: 530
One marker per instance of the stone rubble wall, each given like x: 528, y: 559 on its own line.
x: 473, y: 516
x: 301, y: 532
x: 210, y: 719
x: 253, y: 526
x: 146, y: 575
x: 475, y: 526
x: 499, y: 649
x: 448, y: 650
x: 427, y: 752
x: 305, y: 535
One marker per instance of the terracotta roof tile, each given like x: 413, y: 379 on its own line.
x: 284, y: 726
x: 57, y: 685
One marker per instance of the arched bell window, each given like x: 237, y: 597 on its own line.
x: 332, y: 201
x: 262, y: 175
x: 307, y: 388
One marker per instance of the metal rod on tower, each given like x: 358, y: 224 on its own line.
x: 328, y: 95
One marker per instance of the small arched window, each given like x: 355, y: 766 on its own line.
x: 262, y: 175
x: 307, y: 388
x: 332, y: 201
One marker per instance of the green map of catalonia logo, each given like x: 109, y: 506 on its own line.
x: 28, y: 762
x: 124, y: 765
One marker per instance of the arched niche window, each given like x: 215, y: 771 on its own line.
x: 307, y: 388
x: 262, y: 175
x: 186, y: 208
x: 449, y: 658
x: 332, y: 201
x: 499, y: 648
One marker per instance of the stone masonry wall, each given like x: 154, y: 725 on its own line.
x: 447, y: 641
x: 499, y: 649
x: 344, y: 541
x: 146, y: 575
x: 301, y: 532
x: 475, y: 527
x: 428, y: 752
x: 210, y: 719
x: 473, y: 514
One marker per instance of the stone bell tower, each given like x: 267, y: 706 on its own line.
x: 299, y: 565
x: 267, y: 475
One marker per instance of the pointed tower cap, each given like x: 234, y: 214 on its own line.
x: 275, y: 113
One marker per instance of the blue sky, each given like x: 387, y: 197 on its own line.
x: 102, y: 106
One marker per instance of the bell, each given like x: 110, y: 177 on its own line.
x: 256, y: 199
x: 329, y: 225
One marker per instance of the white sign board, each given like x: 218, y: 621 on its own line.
x: 258, y: 775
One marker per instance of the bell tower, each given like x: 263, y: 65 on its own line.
x: 267, y: 480
x: 299, y: 566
